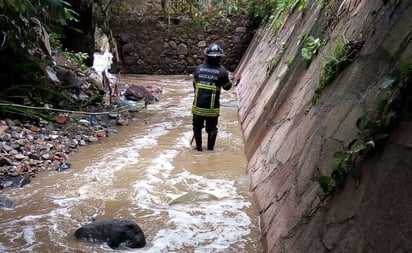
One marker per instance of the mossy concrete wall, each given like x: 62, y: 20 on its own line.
x: 290, y: 141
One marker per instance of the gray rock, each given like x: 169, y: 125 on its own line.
x: 6, y: 202
x: 191, y: 197
x: 181, y: 49
x: 6, y: 147
x: 241, y: 29
x: 73, y: 143
x: 20, y: 156
x: 46, y: 156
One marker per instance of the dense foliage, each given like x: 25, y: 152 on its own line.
x: 261, y: 11
x: 21, y: 23
x: 30, y: 41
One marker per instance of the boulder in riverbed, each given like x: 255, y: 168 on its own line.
x: 137, y: 93
x: 117, y: 233
x: 191, y: 197
x: 6, y: 202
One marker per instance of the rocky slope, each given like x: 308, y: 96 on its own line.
x: 30, y: 147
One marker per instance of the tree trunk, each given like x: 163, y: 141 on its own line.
x: 79, y: 36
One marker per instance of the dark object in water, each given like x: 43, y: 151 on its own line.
x: 137, y: 93
x: 6, y: 202
x: 63, y: 166
x: 18, y: 181
x: 117, y: 233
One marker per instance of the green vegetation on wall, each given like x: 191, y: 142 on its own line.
x: 272, y: 63
x: 201, y: 13
x: 341, y: 56
x: 262, y: 11
x: 394, y: 103
x: 310, y: 48
x: 332, y: 67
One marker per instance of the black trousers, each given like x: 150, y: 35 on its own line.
x: 211, y: 130
x: 211, y: 123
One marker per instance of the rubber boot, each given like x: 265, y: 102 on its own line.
x: 211, y: 140
x: 197, y: 132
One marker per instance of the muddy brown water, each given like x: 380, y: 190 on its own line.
x: 135, y: 174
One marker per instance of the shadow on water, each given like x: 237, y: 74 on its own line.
x: 136, y: 174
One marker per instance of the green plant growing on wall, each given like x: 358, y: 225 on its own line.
x: 341, y: 56
x: 283, y: 8
x: 265, y: 11
x: 310, y: 49
x: 272, y: 63
x: 326, y: 4
x: 289, y: 60
x: 344, y: 164
x: 373, y: 127
x: 331, y: 67
x: 201, y: 13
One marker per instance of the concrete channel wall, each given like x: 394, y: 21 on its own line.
x: 290, y: 141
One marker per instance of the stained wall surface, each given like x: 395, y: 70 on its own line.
x: 290, y: 140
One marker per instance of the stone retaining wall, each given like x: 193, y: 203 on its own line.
x: 152, y: 46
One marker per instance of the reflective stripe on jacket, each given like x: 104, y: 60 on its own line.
x: 208, y: 81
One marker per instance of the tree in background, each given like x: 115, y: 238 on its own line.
x: 78, y: 34
x: 35, y: 35
x: 21, y: 48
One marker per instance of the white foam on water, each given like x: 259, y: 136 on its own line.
x: 101, y: 173
x: 212, y: 226
x: 183, y: 141
x: 203, y: 227
x: 94, y: 181
x: 144, y: 196
x: 162, y: 164
x: 149, y: 137
x: 55, y: 221
x: 154, y: 107
x: 29, y: 235
x: 177, y: 112
x: 146, y: 192
x: 14, y: 232
x: 63, y: 201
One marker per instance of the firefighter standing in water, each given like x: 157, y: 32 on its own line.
x: 208, y: 80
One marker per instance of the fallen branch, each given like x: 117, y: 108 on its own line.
x: 118, y: 110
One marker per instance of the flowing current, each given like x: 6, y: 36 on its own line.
x: 136, y: 174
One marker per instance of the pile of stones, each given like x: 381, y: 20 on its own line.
x: 28, y: 148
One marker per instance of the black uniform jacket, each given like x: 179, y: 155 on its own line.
x: 207, y: 82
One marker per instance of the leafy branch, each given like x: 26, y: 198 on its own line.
x: 310, y: 48
x: 373, y: 126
